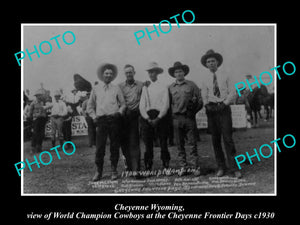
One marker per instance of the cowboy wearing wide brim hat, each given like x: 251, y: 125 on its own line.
x: 212, y: 54
x: 217, y: 97
x: 153, y: 66
x: 105, y: 66
x: 179, y: 65
x: 107, y: 116
x: 38, y: 115
x: 153, y: 108
x: 185, y: 101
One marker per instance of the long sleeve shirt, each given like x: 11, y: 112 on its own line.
x: 26, y: 112
x: 105, y: 100
x: 158, y: 99
x: 132, y: 94
x: 37, y: 109
x: 84, y: 107
x: 58, y: 108
x: 226, y: 86
x: 182, y: 93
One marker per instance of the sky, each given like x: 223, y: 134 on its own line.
x: 245, y: 50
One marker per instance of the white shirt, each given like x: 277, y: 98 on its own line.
x: 105, y: 100
x: 26, y: 112
x: 226, y: 86
x: 71, y: 98
x: 158, y: 99
x: 58, y: 108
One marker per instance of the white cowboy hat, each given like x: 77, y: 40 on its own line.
x: 154, y: 66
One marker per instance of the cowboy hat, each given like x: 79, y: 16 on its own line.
x: 57, y: 93
x: 74, y: 90
x: 105, y: 66
x: 179, y: 65
x: 248, y: 76
x: 40, y: 92
x: 210, y: 53
x: 154, y: 66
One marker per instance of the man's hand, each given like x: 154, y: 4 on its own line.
x: 149, y: 120
x: 95, y: 120
x: 221, y: 106
x: 155, y: 121
x: 117, y: 114
x: 127, y: 112
x: 210, y: 108
x: 146, y: 83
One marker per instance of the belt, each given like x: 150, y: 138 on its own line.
x: 56, y: 116
x: 107, y: 117
x: 215, y: 103
x: 180, y: 114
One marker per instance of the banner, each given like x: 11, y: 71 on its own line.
x: 78, y: 126
x: 239, y: 117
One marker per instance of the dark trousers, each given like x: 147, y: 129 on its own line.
x: 148, y: 136
x: 130, y: 141
x: 27, y: 130
x: 107, y: 126
x: 67, y: 130
x: 38, y: 133
x: 220, y: 125
x: 185, y: 127
x: 91, y: 130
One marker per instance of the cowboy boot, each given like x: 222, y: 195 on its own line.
x: 33, y: 150
x: 182, y: 172
x: 114, y: 173
x: 39, y: 148
x: 165, y: 164
x: 220, y: 172
x: 98, y: 175
x: 53, y: 143
x: 237, y: 174
x: 197, y: 172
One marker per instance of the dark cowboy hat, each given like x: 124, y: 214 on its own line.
x: 105, y: 66
x: 210, y: 53
x: 179, y: 65
x: 248, y: 76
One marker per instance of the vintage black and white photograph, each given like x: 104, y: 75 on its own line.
x: 148, y: 109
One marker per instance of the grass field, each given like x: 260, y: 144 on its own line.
x: 72, y: 174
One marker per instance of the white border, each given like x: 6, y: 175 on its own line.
x: 151, y: 24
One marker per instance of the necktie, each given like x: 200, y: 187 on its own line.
x: 216, y: 89
x: 105, y: 87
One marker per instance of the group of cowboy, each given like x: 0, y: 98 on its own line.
x: 124, y: 112
x: 59, y: 111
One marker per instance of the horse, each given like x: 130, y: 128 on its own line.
x: 256, y: 98
x: 268, y: 103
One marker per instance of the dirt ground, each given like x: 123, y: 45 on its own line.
x: 72, y: 174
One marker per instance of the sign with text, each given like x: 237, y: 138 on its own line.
x: 239, y: 117
x: 78, y: 126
